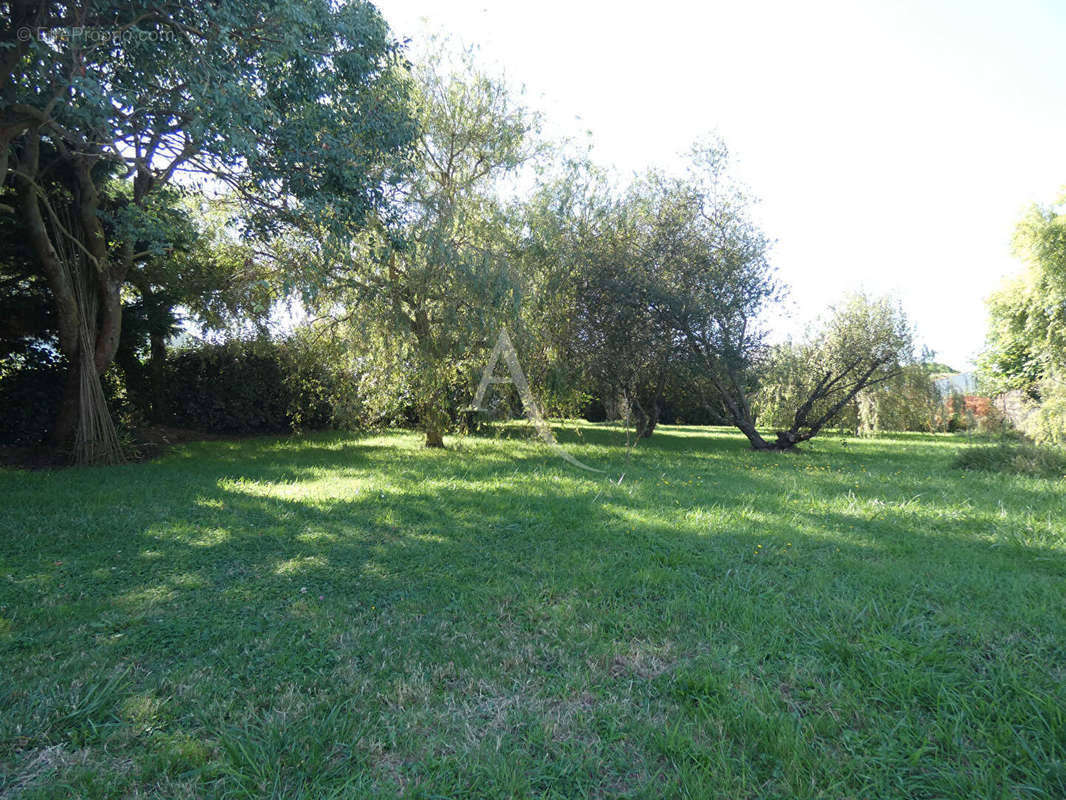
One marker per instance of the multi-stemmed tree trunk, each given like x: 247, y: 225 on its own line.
x: 646, y: 406
x: 67, y: 236
x: 827, y: 394
x: 803, y: 427
x: 864, y: 343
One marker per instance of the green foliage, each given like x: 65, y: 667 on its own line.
x: 299, y: 107
x: 937, y: 368
x: 717, y: 279
x: 628, y: 350
x: 560, y: 234
x: 1017, y: 458
x: 298, y: 101
x: 1015, y: 356
x: 783, y: 377
x: 1047, y: 422
x: 30, y: 387
x: 209, y: 266
x: 432, y: 290
x: 626, y: 291
x: 258, y: 386
x: 909, y: 401
x: 856, y: 365
x: 1026, y: 345
x: 27, y: 316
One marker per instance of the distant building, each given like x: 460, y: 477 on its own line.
x: 959, y: 383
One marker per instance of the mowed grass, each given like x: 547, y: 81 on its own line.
x: 345, y: 616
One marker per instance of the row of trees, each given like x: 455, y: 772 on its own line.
x: 668, y: 284
x: 234, y: 160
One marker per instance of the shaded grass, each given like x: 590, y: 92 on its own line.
x: 1018, y: 458
x: 336, y: 616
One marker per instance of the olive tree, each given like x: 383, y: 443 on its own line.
x: 431, y: 289
x: 720, y: 284
x: 668, y: 284
x: 862, y: 345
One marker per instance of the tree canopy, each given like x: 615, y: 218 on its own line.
x: 1026, y: 345
x: 175, y: 161
x: 431, y: 286
x: 297, y: 107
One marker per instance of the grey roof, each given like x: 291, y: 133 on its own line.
x: 959, y: 383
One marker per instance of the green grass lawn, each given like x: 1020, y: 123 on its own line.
x: 345, y: 616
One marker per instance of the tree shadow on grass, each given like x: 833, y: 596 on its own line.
x: 417, y: 583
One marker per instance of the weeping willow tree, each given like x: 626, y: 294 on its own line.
x: 432, y: 291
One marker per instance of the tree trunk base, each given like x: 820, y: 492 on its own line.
x: 61, y: 437
x: 784, y: 442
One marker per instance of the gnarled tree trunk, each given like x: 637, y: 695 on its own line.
x: 70, y: 245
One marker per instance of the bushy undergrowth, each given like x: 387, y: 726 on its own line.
x: 1017, y: 458
x: 258, y: 387
x: 30, y: 389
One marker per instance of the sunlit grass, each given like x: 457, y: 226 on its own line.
x: 344, y: 616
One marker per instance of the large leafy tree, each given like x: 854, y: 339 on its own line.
x: 623, y: 302
x: 718, y: 281
x: 599, y: 271
x: 708, y: 264
x: 432, y: 289
x: 1026, y: 344
x: 1027, y: 337
x: 197, y: 270
x: 567, y: 222
x: 296, y: 105
x: 667, y: 286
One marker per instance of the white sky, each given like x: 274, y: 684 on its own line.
x: 894, y: 144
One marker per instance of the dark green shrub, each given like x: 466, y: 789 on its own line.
x: 255, y: 387
x: 31, y: 391
x: 31, y: 388
x: 1019, y: 458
